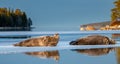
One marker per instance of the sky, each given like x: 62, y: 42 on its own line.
x: 62, y: 14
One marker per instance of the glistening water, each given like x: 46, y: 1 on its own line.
x: 63, y: 53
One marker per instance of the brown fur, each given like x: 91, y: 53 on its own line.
x: 95, y: 52
x: 93, y: 40
x: 41, y: 41
x: 46, y: 54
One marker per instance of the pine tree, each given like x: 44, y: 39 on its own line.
x: 115, y: 12
x: 11, y: 18
x: 24, y: 19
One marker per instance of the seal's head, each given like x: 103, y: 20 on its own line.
x: 73, y: 42
x: 56, y: 34
x: 112, y: 41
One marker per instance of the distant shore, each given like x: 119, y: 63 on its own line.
x: 16, y: 28
x: 96, y: 26
x: 14, y: 20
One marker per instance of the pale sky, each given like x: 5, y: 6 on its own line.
x: 62, y: 14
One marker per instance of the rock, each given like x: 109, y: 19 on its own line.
x: 93, y: 40
x: 90, y: 28
x: 45, y: 54
x: 94, y: 52
x: 116, y: 22
x: 97, y: 25
x: 87, y: 28
x: 82, y: 29
x: 107, y: 27
x: 40, y: 41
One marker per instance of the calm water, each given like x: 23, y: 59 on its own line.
x: 63, y: 53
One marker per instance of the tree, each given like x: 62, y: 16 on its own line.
x: 11, y: 18
x: 24, y: 19
x: 29, y: 22
x: 115, y: 12
x: 18, y: 12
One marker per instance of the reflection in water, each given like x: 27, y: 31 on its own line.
x: 16, y: 37
x: 118, y: 55
x: 95, y: 52
x: 45, y: 54
x: 115, y: 36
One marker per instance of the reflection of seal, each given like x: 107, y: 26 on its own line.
x: 93, y: 40
x: 45, y: 54
x: 40, y: 41
x: 94, y: 52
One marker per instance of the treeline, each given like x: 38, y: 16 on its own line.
x: 115, y: 12
x: 14, y: 18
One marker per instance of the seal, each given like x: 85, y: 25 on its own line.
x: 40, y: 41
x: 93, y: 40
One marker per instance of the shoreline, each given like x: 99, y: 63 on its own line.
x: 95, y: 25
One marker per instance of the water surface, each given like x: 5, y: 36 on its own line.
x: 63, y: 53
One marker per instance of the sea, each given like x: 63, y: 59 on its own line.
x: 63, y: 53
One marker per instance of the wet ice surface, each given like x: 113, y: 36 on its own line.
x: 32, y: 33
x: 13, y: 55
x: 63, y: 45
x: 6, y: 45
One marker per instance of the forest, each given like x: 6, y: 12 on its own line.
x: 14, y: 18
